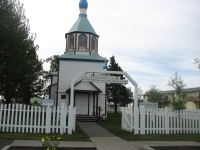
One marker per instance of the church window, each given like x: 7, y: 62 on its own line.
x: 63, y: 96
x: 71, y: 41
x: 93, y: 42
x: 82, y: 41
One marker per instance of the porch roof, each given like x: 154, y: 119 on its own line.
x: 85, y: 86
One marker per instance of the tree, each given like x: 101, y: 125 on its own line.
x: 179, y: 99
x: 125, y: 96
x: 118, y: 93
x: 197, y: 61
x: 153, y: 94
x: 53, y: 68
x: 33, y: 84
x: 53, y: 63
x: 140, y: 91
x: 20, y: 66
x: 140, y: 94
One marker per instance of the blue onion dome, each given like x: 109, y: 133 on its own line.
x: 83, y: 4
x: 105, y: 67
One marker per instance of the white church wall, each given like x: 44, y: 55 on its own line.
x: 60, y: 101
x: 53, y: 91
x: 54, y: 79
x: 86, y: 86
x: 101, y: 86
x: 68, y: 70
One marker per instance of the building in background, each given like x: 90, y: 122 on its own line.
x: 193, y: 95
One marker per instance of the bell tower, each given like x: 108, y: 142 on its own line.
x: 82, y: 38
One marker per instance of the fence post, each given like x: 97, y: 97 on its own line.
x: 48, y: 118
x: 136, y: 120
x: 62, y: 118
x: 142, y: 120
x: 74, y: 119
x: 166, y: 121
x: 70, y: 119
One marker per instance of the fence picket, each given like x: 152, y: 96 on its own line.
x: 4, y: 117
x: 12, y: 117
x: 147, y: 121
x: 43, y: 126
x: 57, y: 123
x: 8, y: 118
x: 38, y: 125
x: 1, y: 110
x: 35, y: 119
x: 53, y: 123
x: 181, y: 123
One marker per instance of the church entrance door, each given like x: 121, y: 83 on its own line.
x: 81, y: 104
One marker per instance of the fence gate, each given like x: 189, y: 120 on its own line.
x: 127, y: 119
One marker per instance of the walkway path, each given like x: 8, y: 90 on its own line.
x: 103, y: 139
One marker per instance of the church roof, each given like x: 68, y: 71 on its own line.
x: 85, y: 86
x: 54, y: 73
x: 70, y: 55
x: 82, y: 25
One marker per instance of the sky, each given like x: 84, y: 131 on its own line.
x: 150, y: 39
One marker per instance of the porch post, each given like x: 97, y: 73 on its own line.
x: 94, y: 103
x: 97, y: 105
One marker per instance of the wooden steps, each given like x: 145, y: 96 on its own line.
x: 84, y: 118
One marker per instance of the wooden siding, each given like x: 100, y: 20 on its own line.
x: 62, y: 100
x: 54, y: 79
x: 101, y: 86
x: 68, y: 70
x: 85, y: 86
x: 53, y: 91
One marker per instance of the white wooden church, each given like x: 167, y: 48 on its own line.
x: 81, y: 53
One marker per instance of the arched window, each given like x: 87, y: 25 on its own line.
x: 71, y: 41
x: 93, y: 46
x: 82, y: 42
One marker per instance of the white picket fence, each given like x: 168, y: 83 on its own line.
x: 34, y: 119
x: 154, y: 121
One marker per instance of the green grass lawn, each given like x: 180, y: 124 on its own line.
x: 79, y: 135
x: 113, y: 124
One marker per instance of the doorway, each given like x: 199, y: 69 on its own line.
x: 81, y: 103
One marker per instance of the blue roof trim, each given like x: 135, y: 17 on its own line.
x: 69, y: 55
x: 82, y: 15
x: 83, y: 61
